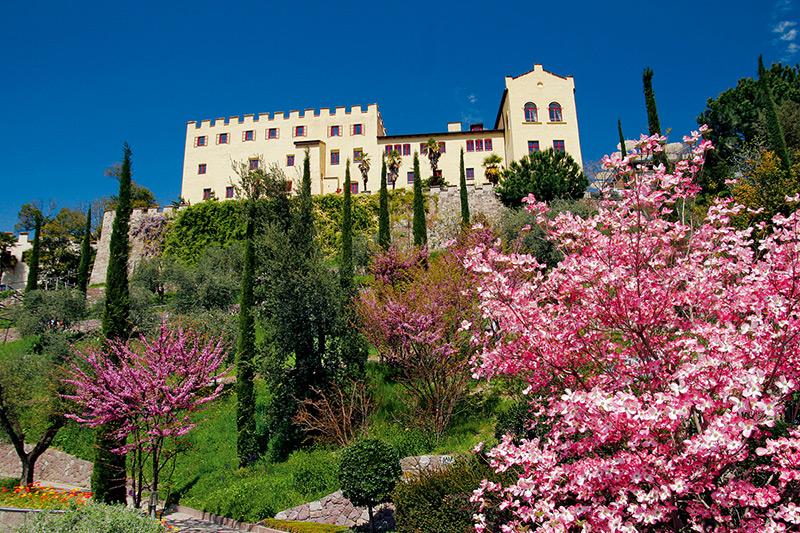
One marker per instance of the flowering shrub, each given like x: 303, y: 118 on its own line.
x: 35, y: 496
x: 662, y: 361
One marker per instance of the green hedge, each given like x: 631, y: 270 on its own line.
x: 303, y: 527
x: 201, y: 225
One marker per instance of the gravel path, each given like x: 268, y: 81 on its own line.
x: 189, y: 524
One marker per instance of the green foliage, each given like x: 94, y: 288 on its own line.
x: 384, y: 236
x: 86, y: 254
x: 202, y: 225
x: 45, y: 312
x: 775, y: 137
x: 653, y: 123
x: 247, y: 438
x: 33, y: 262
x: 94, y: 518
x: 368, y: 472
x: 463, y: 191
x: 8, y: 483
x: 420, y: 226
x: 547, y: 175
x: 623, y: 149
x: 346, y: 266
x: 213, y: 282
x: 293, y: 526
x: 438, y: 501
x: 514, y: 421
x: 328, y: 222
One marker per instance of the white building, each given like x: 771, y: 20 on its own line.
x: 536, y: 112
x: 17, y: 277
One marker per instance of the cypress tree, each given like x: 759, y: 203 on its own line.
x: 346, y: 268
x: 86, y: 252
x: 108, y: 473
x: 33, y: 267
x: 653, y: 123
x: 775, y: 136
x: 247, y: 439
x: 420, y: 231
x: 384, y: 236
x: 622, y: 149
x: 464, y: 199
x: 304, y: 228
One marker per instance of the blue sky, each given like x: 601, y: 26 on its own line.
x: 79, y: 78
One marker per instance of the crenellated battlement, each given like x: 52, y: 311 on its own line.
x: 286, y: 116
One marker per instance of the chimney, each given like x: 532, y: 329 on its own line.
x: 476, y: 127
x: 453, y: 126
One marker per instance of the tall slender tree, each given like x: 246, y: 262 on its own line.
x: 622, y: 149
x: 653, y: 123
x: 463, y: 186
x: 108, y: 473
x: 384, y: 235
x: 304, y: 228
x: 420, y: 230
x: 775, y: 136
x: 346, y: 268
x: 33, y: 264
x: 86, y: 252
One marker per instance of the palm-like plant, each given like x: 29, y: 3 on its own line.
x: 491, y: 168
x: 547, y: 175
x: 363, y: 167
x: 433, y: 152
x: 393, y: 161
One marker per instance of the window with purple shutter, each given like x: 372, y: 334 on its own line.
x: 222, y: 138
x: 200, y: 141
x: 531, y: 114
x: 201, y: 168
x: 253, y: 164
x: 206, y: 194
x: 487, y: 145
x: 272, y: 133
x: 470, y: 146
x: 229, y: 192
x: 354, y: 187
x: 442, y: 148
x: 388, y: 148
x: 555, y: 112
x: 410, y: 177
x: 334, y: 157
x: 533, y: 146
x: 249, y: 135
x: 558, y: 146
x: 479, y: 145
x: 290, y: 160
x: 358, y: 129
x: 406, y: 149
x: 336, y: 131
x: 470, y: 173
x: 358, y: 154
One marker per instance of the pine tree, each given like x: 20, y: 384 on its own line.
x: 384, y: 235
x: 33, y: 265
x: 464, y: 199
x: 775, y: 136
x: 653, y: 123
x: 108, y: 473
x: 247, y: 439
x: 346, y: 268
x: 86, y: 252
x: 622, y: 149
x: 420, y: 230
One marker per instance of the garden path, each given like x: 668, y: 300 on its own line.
x: 188, y: 524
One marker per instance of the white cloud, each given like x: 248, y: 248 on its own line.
x: 472, y: 98
x: 786, y: 32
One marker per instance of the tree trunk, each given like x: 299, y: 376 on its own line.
x: 371, y: 519
x: 27, y: 470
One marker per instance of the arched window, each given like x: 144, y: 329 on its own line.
x: 555, y: 112
x: 530, y: 112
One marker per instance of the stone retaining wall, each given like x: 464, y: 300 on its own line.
x: 54, y: 466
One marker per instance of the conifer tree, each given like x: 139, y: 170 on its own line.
x: 86, y: 252
x: 464, y: 199
x: 622, y: 149
x: 33, y: 265
x: 346, y: 268
x: 108, y: 472
x: 304, y: 228
x: 653, y: 123
x: 420, y: 230
x: 384, y: 235
x: 775, y: 136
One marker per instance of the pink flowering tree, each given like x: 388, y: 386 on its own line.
x: 662, y: 360
x: 150, y: 388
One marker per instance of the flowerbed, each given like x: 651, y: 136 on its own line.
x: 36, y: 496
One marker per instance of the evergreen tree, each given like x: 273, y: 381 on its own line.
x: 108, y: 473
x: 86, y: 252
x: 33, y: 266
x: 775, y: 136
x: 653, y: 123
x: 420, y: 230
x: 384, y: 236
x: 622, y: 149
x: 304, y: 228
x: 346, y: 268
x: 464, y: 199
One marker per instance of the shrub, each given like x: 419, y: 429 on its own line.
x: 45, y: 312
x: 514, y: 421
x: 94, y: 518
x: 368, y: 472
x: 337, y: 415
x: 547, y: 175
x: 292, y: 526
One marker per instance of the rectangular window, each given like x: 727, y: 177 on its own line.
x: 334, y: 157
x: 201, y: 168
x: 206, y: 194
x: 470, y: 146
x: 249, y: 135
x: 406, y: 149
x: 533, y: 146
x: 423, y: 148
x: 358, y: 129
x: 487, y: 145
x: 354, y: 187
x: 272, y: 133
x: 479, y: 145
x: 290, y: 160
x: 200, y: 140
x: 470, y: 173
x: 299, y: 131
x: 336, y: 131
x: 398, y: 148
x: 358, y: 154
x: 410, y: 177
x: 229, y: 192
x: 254, y: 164
x: 558, y: 146
x: 442, y: 148
x: 388, y: 149
x: 222, y: 138
x: 288, y: 185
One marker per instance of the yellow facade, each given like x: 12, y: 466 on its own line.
x: 333, y: 136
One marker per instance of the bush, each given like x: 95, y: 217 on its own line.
x: 514, y: 421
x: 94, y: 518
x: 368, y: 472
x: 213, y: 282
x: 547, y: 175
x: 303, y: 527
x: 45, y: 312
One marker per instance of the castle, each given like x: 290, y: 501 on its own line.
x: 537, y: 111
